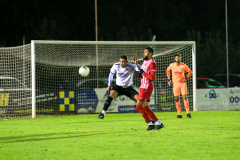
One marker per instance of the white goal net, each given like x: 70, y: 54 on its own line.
x: 52, y: 85
x: 15, y: 82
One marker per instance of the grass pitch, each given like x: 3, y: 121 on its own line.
x: 208, y: 135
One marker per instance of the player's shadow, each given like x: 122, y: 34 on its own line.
x: 52, y: 136
x: 234, y: 137
x: 91, y: 121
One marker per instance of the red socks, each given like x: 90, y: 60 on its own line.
x: 150, y: 113
x: 143, y: 113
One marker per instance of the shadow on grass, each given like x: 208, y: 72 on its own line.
x: 52, y: 136
x: 90, y: 121
x: 117, y: 120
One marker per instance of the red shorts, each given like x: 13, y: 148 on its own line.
x: 145, y: 94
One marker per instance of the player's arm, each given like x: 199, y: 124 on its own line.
x: 189, y: 72
x: 110, y: 77
x: 168, y: 74
x: 153, y: 72
x: 137, y: 67
x: 168, y: 71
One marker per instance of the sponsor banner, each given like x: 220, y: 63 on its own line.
x: 20, y: 101
x: 86, y: 98
x: 131, y: 108
x: 127, y: 109
x: 212, y: 99
x: 234, y: 96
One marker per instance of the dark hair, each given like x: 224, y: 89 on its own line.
x: 150, y: 49
x: 124, y: 57
x: 177, y: 55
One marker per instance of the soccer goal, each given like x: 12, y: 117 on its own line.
x: 42, y: 79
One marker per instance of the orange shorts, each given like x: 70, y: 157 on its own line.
x: 180, y: 88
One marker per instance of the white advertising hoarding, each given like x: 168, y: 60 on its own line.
x: 218, y: 99
x: 212, y: 99
x: 234, y: 94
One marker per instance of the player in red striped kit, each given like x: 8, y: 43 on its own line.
x: 148, y: 74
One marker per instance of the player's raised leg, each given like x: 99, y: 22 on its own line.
x: 113, y: 95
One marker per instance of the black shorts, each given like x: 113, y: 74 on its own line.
x: 130, y: 92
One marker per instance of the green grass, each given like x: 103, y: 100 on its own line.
x: 208, y: 135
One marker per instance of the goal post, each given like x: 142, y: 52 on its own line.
x: 33, y: 79
x: 54, y: 87
x: 194, y: 75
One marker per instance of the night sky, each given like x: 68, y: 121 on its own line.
x: 126, y: 20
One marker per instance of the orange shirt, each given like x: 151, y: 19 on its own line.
x: 178, y: 72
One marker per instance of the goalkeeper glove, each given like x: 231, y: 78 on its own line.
x: 169, y: 81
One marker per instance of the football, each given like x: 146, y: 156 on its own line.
x: 84, y: 71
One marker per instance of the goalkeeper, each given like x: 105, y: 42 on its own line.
x: 124, y: 79
x: 179, y: 83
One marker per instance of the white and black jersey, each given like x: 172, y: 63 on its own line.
x: 124, y: 75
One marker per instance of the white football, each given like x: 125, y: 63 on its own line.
x: 84, y: 71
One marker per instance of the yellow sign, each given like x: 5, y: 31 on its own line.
x: 4, y: 99
x: 66, y: 100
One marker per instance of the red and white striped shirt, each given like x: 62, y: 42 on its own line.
x: 150, y: 69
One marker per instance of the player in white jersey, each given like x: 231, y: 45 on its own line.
x: 124, y: 79
x: 148, y: 73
